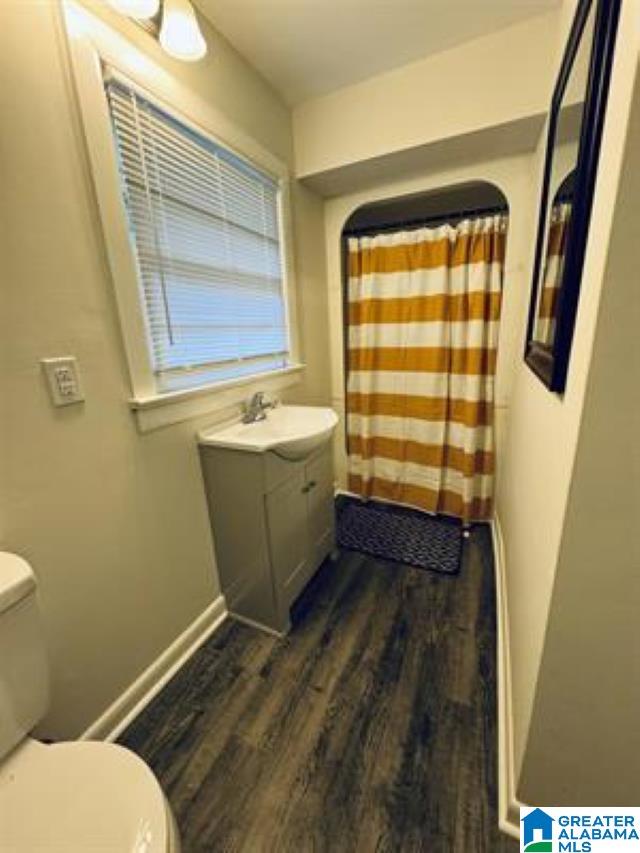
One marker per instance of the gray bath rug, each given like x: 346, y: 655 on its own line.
x: 400, y: 535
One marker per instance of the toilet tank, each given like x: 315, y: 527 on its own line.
x: 24, y: 677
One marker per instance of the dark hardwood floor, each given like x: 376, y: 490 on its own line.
x: 372, y: 727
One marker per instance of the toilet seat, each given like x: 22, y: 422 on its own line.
x: 79, y: 797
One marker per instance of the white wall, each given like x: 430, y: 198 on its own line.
x: 543, y: 427
x: 584, y: 740
x: 484, y: 83
x: 512, y: 177
x: 311, y: 283
x: 114, y: 522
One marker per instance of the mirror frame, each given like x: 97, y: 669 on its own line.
x: 550, y: 363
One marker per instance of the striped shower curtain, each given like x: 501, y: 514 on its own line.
x: 553, y: 271
x: 423, y: 315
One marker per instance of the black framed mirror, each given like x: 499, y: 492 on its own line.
x: 575, y: 124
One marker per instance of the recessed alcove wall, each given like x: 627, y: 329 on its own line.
x: 432, y: 206
x: 502, y: 182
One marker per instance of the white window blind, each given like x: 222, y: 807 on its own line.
x: 205, y: 227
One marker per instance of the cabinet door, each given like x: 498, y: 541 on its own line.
x: 288, y: 537
x: 321, y: 514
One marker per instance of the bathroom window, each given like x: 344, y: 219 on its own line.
x: 205, y: 227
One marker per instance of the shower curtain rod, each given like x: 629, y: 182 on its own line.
x: 426, y: 220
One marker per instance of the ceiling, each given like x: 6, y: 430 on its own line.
x: 307, y: 48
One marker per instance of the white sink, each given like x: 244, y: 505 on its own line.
x: 292, y: 432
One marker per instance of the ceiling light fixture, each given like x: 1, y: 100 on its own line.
x: 180, y: 34
x: 141, y: 9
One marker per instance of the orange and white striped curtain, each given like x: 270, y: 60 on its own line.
x: 423, y: 316
x: 553, y: 271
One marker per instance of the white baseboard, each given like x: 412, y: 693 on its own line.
x: 508, y: 804
x: 258, y: 625
x: 137, y: 696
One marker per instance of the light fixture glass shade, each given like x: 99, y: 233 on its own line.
x: 136, y: 8
x: 180, y: 34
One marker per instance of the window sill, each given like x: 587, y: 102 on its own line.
x: 159, y: 410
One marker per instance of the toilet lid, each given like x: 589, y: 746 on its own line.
x: 80, y: 796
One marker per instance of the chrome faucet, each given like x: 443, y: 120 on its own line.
x: 256, y: 408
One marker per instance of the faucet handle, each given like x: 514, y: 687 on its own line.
x: 255, y: 409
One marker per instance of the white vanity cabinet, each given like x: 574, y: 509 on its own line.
x: 273, y: 525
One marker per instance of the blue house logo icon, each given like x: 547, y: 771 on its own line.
x: 537, y: 832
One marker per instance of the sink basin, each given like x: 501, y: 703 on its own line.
x: 291, y: 432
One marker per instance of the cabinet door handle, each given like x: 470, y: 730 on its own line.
x: 312, y: 485
x: 304, y: 489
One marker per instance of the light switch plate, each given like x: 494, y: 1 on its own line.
x: 63, y: 379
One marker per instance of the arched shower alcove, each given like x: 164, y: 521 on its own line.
x: 386, y: 328
x: 433, y: 207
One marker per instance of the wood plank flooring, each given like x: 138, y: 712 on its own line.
x: 371, y: 727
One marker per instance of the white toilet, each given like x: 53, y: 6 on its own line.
x: 65, y: 797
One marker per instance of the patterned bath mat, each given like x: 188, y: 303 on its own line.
x: 400, y: 535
